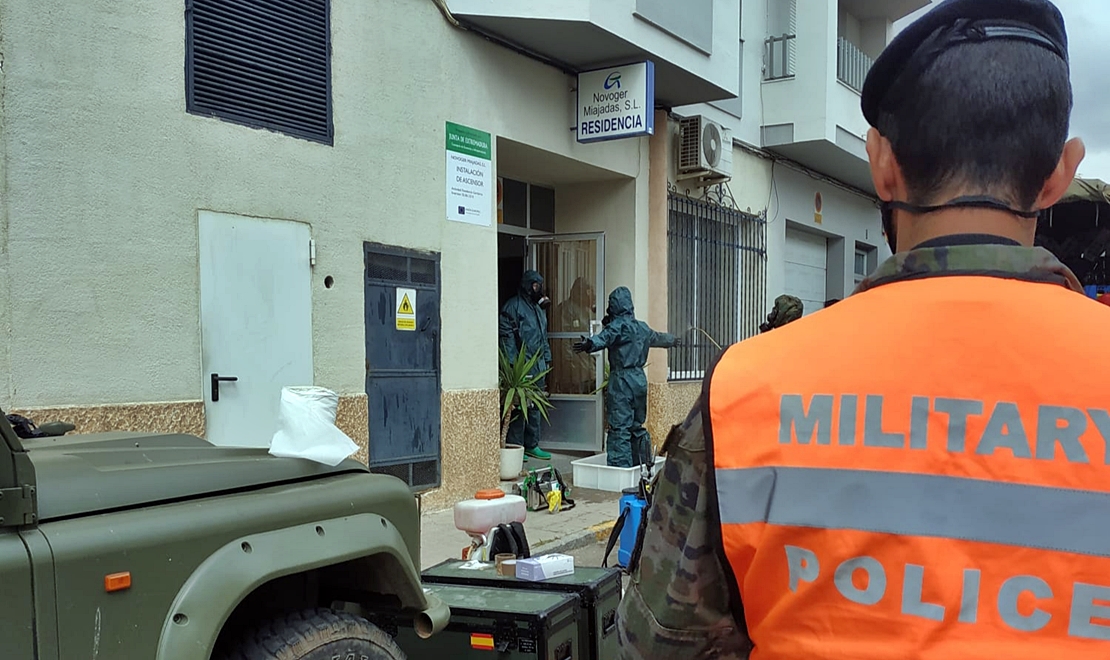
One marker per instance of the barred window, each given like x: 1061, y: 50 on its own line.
x: 717, y: 264
x: 261, y: 63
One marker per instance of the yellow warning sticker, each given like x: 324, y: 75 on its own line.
x: 406, y: 309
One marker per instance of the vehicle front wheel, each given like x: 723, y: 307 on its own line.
x: 316, y: 634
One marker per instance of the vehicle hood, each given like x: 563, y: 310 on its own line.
x: 84, y: 474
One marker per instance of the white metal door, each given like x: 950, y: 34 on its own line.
x: 256, y: 323
x: 806, y: 268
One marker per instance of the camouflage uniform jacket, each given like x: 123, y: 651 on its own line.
x: 682, y: 602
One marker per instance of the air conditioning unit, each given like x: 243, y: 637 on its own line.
x: 704, y: 151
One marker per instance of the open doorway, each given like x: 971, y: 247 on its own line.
x: 572, y: 271
x: 523, y: 210
x: 575, y: 223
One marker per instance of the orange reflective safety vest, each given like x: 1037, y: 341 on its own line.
x: 921, y: 471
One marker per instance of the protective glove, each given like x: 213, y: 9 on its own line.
x: 678, y: 342
x: 582, y: 346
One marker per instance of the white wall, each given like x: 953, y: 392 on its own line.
x: 751, y: 181
x: 803, y: 99
x: 719, y: 67
x: 611, y: 207
x: 106, y: 172
x: 845, y: 215
x: 875, y: 35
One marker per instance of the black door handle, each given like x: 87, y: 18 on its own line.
x: 216, y: 378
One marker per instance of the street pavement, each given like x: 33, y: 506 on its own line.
x: 581, y: 528
x: 592, y: 554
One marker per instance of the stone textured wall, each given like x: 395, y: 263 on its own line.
x: 470, y: 446
x: 175, y: 417
x: 180, y: 417
x: 668, y: 404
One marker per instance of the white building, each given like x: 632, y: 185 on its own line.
x: 803, y: 67
x: 202, y: 190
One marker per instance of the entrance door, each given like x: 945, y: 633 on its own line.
x: 402, y: 364
x: 573, y: 268
x: 256, y: 323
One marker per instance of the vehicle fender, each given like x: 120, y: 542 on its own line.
x: 230, y: 574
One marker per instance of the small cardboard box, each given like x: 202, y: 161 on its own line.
x: 538, y: 569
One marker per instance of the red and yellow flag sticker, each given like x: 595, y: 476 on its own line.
x: 481, y: 641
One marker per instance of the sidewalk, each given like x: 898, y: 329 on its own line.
x: 590, y: 521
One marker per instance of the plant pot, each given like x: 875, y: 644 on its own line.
x: 512, y: 462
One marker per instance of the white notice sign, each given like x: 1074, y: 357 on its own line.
x: 406, y: 309
x: 469, y: 175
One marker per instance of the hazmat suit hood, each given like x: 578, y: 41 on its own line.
x: 531, y: 277
x: 620, y: 303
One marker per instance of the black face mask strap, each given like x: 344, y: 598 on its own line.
x: 966, y: 202
x: 888, y: 226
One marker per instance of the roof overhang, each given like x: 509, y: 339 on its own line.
x: 579, y: 45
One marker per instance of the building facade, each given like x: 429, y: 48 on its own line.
x: 203, y: 201
x: 798, y: 162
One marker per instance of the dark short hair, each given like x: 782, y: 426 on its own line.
x: 991, y: 117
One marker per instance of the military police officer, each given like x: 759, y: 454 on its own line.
x: 914, y: 472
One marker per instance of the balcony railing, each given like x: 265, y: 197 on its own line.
x: 778, y: 57
x: 852, y: 64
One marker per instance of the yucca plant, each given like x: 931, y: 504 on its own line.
x: 520, y: 388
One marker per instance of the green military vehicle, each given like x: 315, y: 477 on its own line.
x: 164, y: 547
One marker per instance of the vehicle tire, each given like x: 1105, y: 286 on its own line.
x: 316, y: 634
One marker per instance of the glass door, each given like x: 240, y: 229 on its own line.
x: 573, y: 269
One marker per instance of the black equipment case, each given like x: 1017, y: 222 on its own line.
x: 494, y: 624
x: 598, y: 590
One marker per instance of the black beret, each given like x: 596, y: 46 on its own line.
x: 954, y: 22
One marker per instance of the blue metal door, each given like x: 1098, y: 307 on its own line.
x: 402, y: 363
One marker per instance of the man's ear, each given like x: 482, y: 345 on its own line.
x: 1057, y: 183
x: 884, y: 169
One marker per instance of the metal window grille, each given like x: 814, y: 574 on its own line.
x: 779, y: 57
x: 261, y: 63
x: 717, y: 269
x: 852, y: 64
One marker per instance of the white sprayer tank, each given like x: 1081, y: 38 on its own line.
x: 488, y: 509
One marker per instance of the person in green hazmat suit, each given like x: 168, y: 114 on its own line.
x: 787, y: 309
x: 523, y: 322
x: 628, y: 341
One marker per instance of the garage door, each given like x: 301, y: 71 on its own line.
x: 806, y: 266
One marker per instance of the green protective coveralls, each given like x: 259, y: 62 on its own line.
x: 628, y: 341
x: 523, y: 322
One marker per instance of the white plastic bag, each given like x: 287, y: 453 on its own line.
x: 306, y: 427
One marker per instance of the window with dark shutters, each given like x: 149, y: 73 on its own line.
x: 261, y: 63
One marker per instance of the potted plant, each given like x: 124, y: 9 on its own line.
x: 520, y: 390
